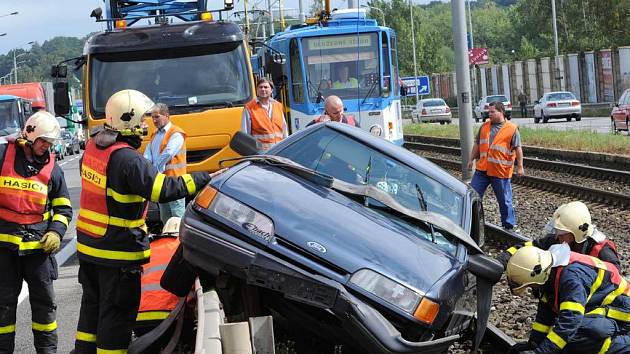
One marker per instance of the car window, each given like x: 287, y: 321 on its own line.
x: 625, y: 98
x: 346, y: 159
x: 560, y: 96
x: 497, y: 99
x: 434, y: 103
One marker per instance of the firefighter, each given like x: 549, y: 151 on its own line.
x: 571, y: 224
x: 584, y: 303
x: 112, y: 241
x: 34, y: 214
x: 155, y: 302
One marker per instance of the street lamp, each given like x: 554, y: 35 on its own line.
x: 376, y: 9
x: 15, y: 79
x: 555, y: 42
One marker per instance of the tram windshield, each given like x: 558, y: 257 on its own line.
x: 342, y: 65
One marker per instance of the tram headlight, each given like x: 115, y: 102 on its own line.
x: 376, y: 130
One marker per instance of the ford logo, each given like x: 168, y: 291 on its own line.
x: 316, y: 246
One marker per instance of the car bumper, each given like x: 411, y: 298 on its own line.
x: 447, y: 117
x: 212, y: 250
x: 563, y: 111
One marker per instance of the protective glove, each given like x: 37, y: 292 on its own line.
x: 51, y: 241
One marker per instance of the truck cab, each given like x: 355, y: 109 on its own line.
x: 14, y: 111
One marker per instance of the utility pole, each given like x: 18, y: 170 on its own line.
x: 246, y: 18
x: 351, y: 4
x: 280, y: 6
x: 463, y: 84
x: 271, y: 30
x: 302, y: 16
x: 413, y: 45
x: 473, y: 87
x: 555, y: 42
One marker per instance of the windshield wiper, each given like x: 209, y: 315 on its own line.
x: 370, y: 91
x: 421, y: 200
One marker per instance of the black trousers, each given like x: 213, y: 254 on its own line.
x: 111, y: 296
x: 38, y: 270
x: 523, y: 110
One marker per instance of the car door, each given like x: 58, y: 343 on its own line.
x: 619, y: 110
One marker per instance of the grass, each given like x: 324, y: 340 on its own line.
x: 581, y: 140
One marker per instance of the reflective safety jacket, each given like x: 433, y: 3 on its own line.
x: 586, y: 286
x: 497, y: 157
x: 267, y: 130
x: 605, y: 250
x: 177, y: 165
x: 116, y: 183
x: 155, y: 302
x: 34, y: 199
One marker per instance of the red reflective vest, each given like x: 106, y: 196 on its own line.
x: 496, y: 157
x: 267, y: 130
x: 155, y: 302
x: 597, y: 248
x: 102, y: 231
x: 23, y: 200
x: 177, y: 165
x: 615, y: 277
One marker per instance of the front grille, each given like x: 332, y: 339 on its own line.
x: 200, y: 155
x: 299, y: 250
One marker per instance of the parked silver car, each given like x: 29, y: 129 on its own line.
x: 555, y: 105
x: 433, y: 110
x: 481, y: 110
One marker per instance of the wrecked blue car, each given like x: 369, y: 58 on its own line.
x: 350, y: 239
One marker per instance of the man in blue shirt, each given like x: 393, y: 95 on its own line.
x: 167, y: 152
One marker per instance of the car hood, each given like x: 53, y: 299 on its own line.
x: 326, y: 225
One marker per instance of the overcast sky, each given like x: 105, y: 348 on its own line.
x: 40, y: 20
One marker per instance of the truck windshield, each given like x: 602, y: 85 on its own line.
x: 186, y: 79
x: 342, y: 65
x: 9, y: 118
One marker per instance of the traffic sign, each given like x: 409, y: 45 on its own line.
x: 419, y: 83
x: 478, y: 56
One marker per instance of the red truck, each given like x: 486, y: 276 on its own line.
x: 40, y: 94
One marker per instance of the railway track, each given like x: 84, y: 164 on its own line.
x: 618, y: 200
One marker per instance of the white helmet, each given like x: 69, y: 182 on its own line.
x: 125, y: 110
x: 529, y: 265
x: 575, y: 218
x: 41, y: 125
x: 171, y: 228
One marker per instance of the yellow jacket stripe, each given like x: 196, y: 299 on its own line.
x: 556, y: 339
x: 7, y: 329
x: 605, y: 346
x: 110, y: 351
x: 110, y: 220
x: 97, y: 230
x: 613, y: 295
x: 572, y: 306
x: 86, y: 337
x: 157, y: 187
x: 62, y: 219
x: 17, y: 240
x: 539, y: 327
x: 124, y: 198
x: 190, y: 184
x: 116, y: 255
x: 152, y: 315
x: 597, y: 283
x: 44, y: 327
x: 60, y: 202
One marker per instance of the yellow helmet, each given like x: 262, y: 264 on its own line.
x: 42, y: 125
x: 125, y: 110
x: 529, y: 265
x: 575, y: 218
x: 171, y: 228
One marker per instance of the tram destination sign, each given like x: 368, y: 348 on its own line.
x: 335, y: 42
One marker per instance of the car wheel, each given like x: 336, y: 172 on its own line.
x: 442, y: 123
x: 568, y: 119
x: 628, y: 126
x: 542, y: 116
x: 578, y: 118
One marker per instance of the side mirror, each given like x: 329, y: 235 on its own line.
x: 62, y: 99
x: 279, y: 58
x: 59, y: 71
x: 244, y: 144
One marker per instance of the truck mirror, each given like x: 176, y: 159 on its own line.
x: 279, y: 58
x: 62, y: 99
x: 28, y: 109
x: 59, y: 71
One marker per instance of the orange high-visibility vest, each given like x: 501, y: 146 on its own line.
x: 177, y: 165
x: 155, y: 302
x: 496, y: 157
x: 23, y: 200
x: 267, y: 130
x: 599, y: 246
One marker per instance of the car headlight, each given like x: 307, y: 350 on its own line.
x: 396, y: 294
x: 236, y: 212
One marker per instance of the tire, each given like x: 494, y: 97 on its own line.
x: 542, y: 116
x: 569, y: 119
x: 613, y: 126
x: 578, y: 118
x: 442, y: 123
